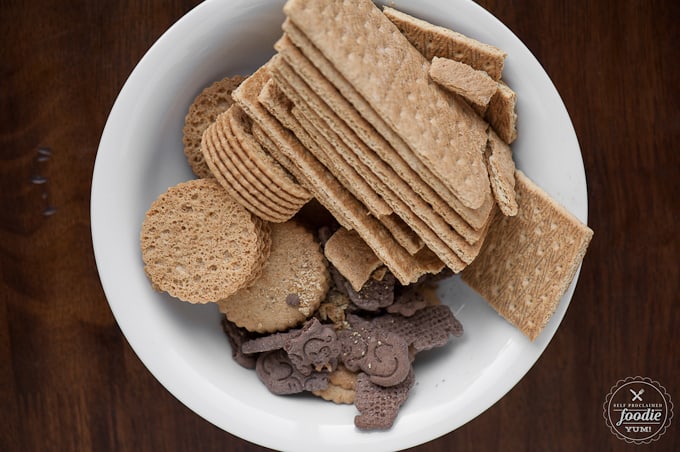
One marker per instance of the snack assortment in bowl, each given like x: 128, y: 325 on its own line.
x: 311, y: 144
x: 403, y: 132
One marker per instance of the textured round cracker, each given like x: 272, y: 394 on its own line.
x: 225, y: 157
x: 297, y: 266
x: 200, y: 245
x: 275, y: 192
x: 231, y: 184
x: 251, y: 173
x: 241, y: 126
x: 209, y: 103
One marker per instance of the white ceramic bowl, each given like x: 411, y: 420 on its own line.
x: 140, y: 156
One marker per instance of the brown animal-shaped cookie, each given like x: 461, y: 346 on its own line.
x: 315, y: 348
x: 237, y: 337
x: 281, y: 377
x: 380, y: 353
x: 378, y: 405
x: 428, y: 328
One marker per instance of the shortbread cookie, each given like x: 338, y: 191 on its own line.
x: 296, y: 266
x: 502, y: 174
x: 203, y: 111
x: 325, y: 188
x: 341, y: 386
x: 434, y: 41
x: 199, y: 245
x: 336, y: 394
x: 446, y: 137
x: 529, y: 260
x: 502, y: 113
x: 474, y: 86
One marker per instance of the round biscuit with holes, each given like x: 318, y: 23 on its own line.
x: 199, y: 245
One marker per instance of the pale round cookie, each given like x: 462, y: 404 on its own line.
x: 199, y: 245
x: 293, y: 283
x: 212, y: 101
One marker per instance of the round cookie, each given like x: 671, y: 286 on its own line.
x: 212, y: 101
x: 200, y: 245
x: 212, y: 145
x: 296, y: 270
x: 264, y: 164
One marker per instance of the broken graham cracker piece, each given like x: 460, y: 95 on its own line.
x: 502, y: 113
x: 435, y: 41
x: 350, y: 255
x: 362, y: 136
x: 444, y: 134
x: 501, y: 169
x: 529, y: 260
x: 203, y: 111
x: 296, y: 265
x: 186, y: 235
x: 474, y: 86
x: 325, y: 188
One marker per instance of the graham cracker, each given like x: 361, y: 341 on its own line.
x: 335, y: 163
x: 502, y: 113
x: 501, y: 169
x: 261, y: 163
x: 435, y: 41
x: 445, y: 135
x: 529, y: 260
x: 448, y: 245
x: 346, y: 209
x: 300, y: 56
x: 350, y: 255
x: 401, y: 232
x: 473, y: 85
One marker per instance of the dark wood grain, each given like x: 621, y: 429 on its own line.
x: 70, y: 381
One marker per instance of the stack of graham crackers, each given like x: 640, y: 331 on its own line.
x: 402, y: 131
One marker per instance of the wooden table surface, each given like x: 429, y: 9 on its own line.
x: 69, y: 380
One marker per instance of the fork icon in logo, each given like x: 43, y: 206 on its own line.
x: 636, y: 395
